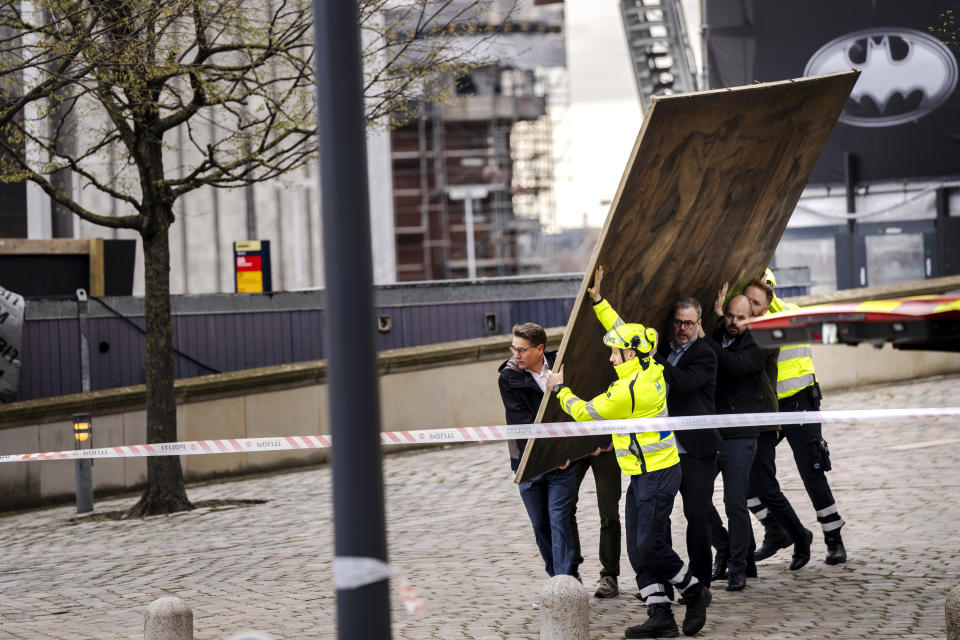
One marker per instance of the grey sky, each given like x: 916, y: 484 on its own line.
x: 605, y: 113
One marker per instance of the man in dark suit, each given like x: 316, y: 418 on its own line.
x: 690, y: 371
x: 741, y: 388
x: 550, y: 498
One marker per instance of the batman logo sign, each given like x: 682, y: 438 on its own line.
x: 904, y: 74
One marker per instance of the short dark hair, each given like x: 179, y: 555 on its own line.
x: 531, y: 332
x: 688, y: 303
x: 767, y: 289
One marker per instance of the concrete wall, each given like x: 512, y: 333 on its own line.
x: 843, y: 367
x: 443, y: 385
x: 423, y: 387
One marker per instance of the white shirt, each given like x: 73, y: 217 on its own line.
x: 541, y: 378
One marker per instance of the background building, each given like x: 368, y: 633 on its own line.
x: 473, y: 177
x: 883, y: 204
x: 496, y: 135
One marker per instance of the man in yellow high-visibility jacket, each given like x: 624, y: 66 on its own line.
x: 797, y: 390
x: 653, y: 464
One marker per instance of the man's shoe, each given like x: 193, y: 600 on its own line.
x: 607, y: 587
x: 836, y: 554
x: 660, y: 624
x: 696, y: 615
x: 775, y: 538
x: 719, y: 567
x: 801, y: 551
x: 736, y: 582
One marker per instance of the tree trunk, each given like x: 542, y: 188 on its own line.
x: 165, y: 492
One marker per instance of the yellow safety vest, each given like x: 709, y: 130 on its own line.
x: 795, y: 362
x: 637, y: 393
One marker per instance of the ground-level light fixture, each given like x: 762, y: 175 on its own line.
x: 82, y: 431
x: 83, y: 467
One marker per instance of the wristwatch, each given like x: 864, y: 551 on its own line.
x: 557, y: 387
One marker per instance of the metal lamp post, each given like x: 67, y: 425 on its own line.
x: 360, y: 571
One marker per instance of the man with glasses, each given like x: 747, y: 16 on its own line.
x: 690, y: 371
x: 549, y: 499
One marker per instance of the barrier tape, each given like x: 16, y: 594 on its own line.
x: 490, y: 433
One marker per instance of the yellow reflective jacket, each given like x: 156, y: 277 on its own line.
x: 795, y: 362
x: 637, y: 393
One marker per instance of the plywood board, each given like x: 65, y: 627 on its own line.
x: 710, y: 185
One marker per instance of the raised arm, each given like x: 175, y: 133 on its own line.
x: 605, y: 313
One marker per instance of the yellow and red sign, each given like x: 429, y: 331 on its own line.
x: 251, y: 261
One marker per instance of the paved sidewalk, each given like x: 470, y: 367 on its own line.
x: 458, y: 530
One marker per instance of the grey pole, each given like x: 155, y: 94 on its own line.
x: 83, y: 467
x: 471, y: 242
x: 359, y: 522
x: 850, y: 183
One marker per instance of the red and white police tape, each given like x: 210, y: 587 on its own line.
x: 490, y: 433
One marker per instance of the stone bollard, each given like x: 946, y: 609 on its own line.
x: 564, y: 610
x: 168, y: 619
x: 952, y: 608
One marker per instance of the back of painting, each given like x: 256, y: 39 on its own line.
x: 710, y: 185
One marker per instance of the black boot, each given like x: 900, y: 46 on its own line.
x: 775, y: 538
x: 719, y: 567
x: 736, y: 582
x: 751, y: 570
x: 836, y: 554
x: 801, y: 551
x: 696, y: 615
x: 660, y: 624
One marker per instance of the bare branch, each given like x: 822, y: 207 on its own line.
x: 130, y: 71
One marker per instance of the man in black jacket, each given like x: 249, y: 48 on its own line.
x: 549, y: 499
x: 741, y: 388
x: 781, y: 525
x: 690, y: 371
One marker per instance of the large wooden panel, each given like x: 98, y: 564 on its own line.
x: 707, y: 192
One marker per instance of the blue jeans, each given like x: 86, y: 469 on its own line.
x: 549, y: 501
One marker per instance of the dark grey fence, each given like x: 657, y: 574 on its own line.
x: 224, y: 332
x: 228, y: 332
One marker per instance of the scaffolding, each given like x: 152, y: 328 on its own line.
x: 477, y: 168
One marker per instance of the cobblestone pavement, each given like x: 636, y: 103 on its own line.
x: 458, y: 530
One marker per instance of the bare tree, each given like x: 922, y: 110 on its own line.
x: 84, y: 81
x: 410, y: 56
